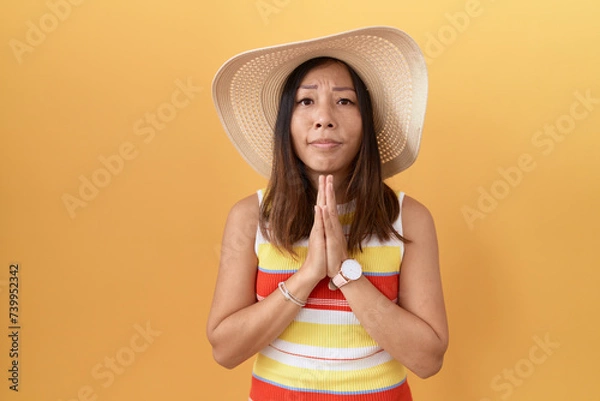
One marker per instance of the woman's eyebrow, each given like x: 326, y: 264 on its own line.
x: 343, y: 88
x: 335, y: 88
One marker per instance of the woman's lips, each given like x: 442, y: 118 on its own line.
x: 325, y: 143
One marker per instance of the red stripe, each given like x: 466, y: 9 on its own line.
x: 266, y: 283
x: 263, y: 391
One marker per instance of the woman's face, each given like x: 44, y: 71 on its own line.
x: 326, y: 124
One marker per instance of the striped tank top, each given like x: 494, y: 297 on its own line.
x: 325, y: 354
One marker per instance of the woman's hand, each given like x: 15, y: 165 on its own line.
x: 335, y: 240
x: 327, y: 242
x: 315, y: 264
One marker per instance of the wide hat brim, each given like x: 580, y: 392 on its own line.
x: 247, y: 89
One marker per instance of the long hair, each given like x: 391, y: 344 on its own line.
x: 287, y: 210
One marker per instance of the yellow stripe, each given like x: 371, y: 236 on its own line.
x: 346, y: 219
x: 380, y: 259
x: 374, y: 259
x: 270, y: 258
x: 378, y: 377
x: 327, y: 335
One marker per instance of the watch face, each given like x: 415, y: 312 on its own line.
x: 351, y: 269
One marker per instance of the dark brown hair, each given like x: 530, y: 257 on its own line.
x: 287, y: 209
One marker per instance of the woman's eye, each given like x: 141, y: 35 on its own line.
x: 345, y: 102
x: 305, y: 101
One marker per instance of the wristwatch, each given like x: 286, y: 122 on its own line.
x: 350, y: 270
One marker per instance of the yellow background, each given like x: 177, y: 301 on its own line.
x: 144, y: 250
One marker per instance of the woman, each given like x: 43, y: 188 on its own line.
x: 309, y: 277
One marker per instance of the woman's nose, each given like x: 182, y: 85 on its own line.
x: 324, y: 117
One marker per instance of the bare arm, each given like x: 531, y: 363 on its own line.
x: 415, y: 330
x: 238, y: 326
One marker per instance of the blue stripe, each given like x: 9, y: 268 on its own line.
x: 305, y: 390
x: 372, y: 274
x: 270, y: 271
x: 381, y: 274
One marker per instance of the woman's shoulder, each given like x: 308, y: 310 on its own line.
x: 415, y: 215
x: 242, y: 222
x: 246, y: 208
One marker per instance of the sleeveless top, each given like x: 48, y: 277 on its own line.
x: 325, y: 354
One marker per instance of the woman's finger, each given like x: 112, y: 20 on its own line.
x: 335, y: 242
x: 318, y: 222
x: 316, y: 258
x: 330, y: 196
x: 321, y: 195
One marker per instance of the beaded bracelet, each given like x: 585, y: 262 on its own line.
x: 289, y: 296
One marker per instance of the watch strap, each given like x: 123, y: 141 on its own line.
x: 339, y: 280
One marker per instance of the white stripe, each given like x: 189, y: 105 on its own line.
x: 325, y: 364
x: 319, y: 316
x: 322, y: 302
x: 311, y: 351
x: 333, y: 302
x: 346, y: 208
x: 373, y: 241
x: 368, y: 242
x: 330, y: 302
x: 398, y: 224
x: 259, y: 239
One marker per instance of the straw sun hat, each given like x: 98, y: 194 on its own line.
x: 247, y: 91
